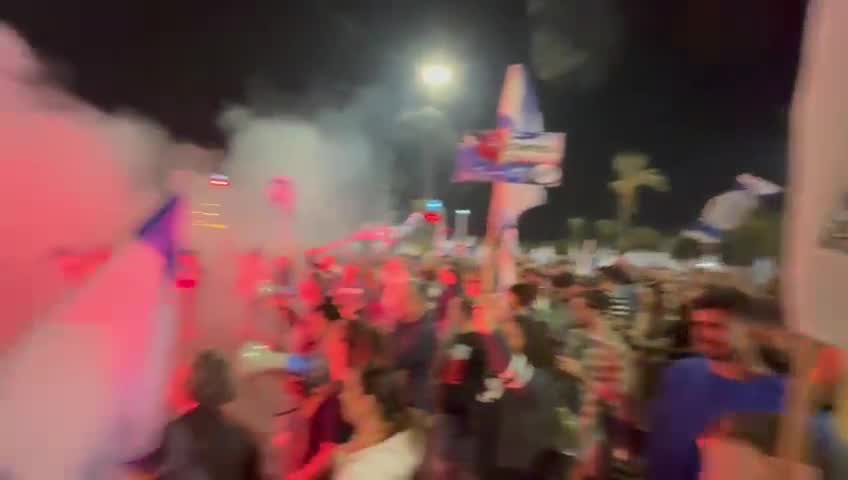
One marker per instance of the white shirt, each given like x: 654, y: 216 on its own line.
x: 396, y: 458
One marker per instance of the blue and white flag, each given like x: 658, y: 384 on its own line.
x: 730, y: 209
x: 518, y: 157
x: 85, y: 392
x: 518, y: 150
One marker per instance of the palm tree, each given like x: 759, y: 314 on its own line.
x: 605, y: 232
x: 634, y: 173
x: 576, y: 229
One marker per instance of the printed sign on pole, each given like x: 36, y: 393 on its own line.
x: 518, y: 150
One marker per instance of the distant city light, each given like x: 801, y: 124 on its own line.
x: 219, y: 180
x: 433, y: 205
x: 216, y: 226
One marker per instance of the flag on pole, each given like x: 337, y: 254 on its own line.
x: 518, y: 150
x: 86, y: 390
x: 730, y: 209
x: 518, y: 112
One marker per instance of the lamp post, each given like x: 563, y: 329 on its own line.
x: 433, y: 78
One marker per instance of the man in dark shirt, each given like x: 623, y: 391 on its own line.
x: 413, y: 344
x: 462, y: 369
x: 204, y: 444
x: 521, y: 299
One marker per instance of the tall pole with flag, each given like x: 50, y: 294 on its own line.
x: 96, y: 369
x: 519, y: 158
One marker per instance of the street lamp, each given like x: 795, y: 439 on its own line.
x: 435, y: 75
x: 434, y: 78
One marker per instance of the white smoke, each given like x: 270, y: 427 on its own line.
x: 340, y: 175
x: 73, y: 178
x: 77, y: 178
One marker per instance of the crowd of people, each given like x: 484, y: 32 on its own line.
x: 414, y: 367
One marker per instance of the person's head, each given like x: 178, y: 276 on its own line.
x: 522, y: 295
x: 461, y: 310
x: 588, y: 306
x: 447, y: 276
x: 713, y: 312
x: 322, y: 316
x: 534, y: 277
x: 612, y: 277
x: 375, y: 395
x: 651, y: 299
x: 565, y: 286
x: 472, y: 284
x: 515, y: 335
x: 522, y: 337
x: 365, y: 345
x: 211, y: 384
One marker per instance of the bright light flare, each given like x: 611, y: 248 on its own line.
x: 435, y: 75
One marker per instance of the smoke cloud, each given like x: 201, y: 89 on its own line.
x: 340, y: 174
x: 76, y: 179
x: 73, y: 179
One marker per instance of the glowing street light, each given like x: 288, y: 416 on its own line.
x: 435, y: 74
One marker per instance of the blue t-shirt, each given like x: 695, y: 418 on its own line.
x: 691, y: 400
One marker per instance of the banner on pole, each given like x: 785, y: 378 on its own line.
x: 518, y: 150
x: 523, y: 157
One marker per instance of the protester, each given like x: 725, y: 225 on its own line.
x: 204, y: 444
x: 521, y: 298
x: 413, y: 344
x: 622, y: 295
x: 697, y: 392
x: 650, y: 316
x: 527, y: 409
x: 387, y: 443
x: 323, y: 408
x: 462, y: 373
x: 561, y: 318
x: 601, y: 361
x: 479, y: 367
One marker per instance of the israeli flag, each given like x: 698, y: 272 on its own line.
x: 730, y: 209
x: 85, y: 391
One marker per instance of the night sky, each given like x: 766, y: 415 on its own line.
x: 702, y: 86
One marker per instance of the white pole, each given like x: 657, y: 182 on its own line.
x: 460, y: 225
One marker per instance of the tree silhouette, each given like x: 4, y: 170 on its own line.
x: 576, y: 229
x: 634, y: 173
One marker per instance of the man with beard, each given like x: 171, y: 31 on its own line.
x: 697, y: 392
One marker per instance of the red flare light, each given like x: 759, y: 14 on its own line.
x: 432, y: 217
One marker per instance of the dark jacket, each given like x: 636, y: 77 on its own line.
x: 528, y: 423
x: 204, y: 444
x: 414, y: 346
